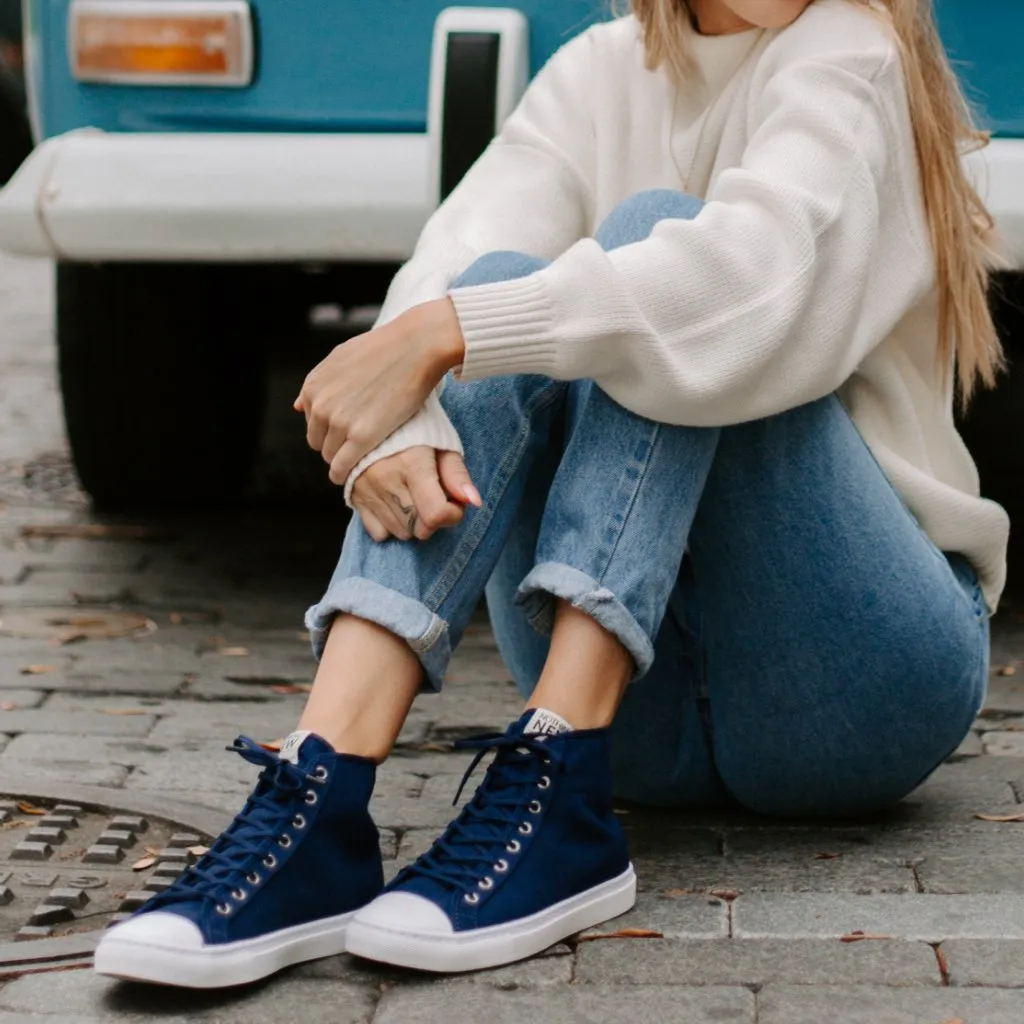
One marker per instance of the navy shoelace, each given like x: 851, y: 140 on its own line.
x: 490, y: 829
x: 219, y: 872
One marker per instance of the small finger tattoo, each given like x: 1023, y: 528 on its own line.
x: 409, y: 511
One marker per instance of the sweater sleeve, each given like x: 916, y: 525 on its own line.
x: 759, y: 304
x: 527, y: 193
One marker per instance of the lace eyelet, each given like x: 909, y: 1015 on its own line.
x: 253, y: 879
x: 502, y: 866
x: 284, y: 842
x: 224, y: 909
x: 486, y: 883
x: 526, y: 828
x: 535, y: 807
x: 514, y: 847
x: 472, y: 897
x: 320, y: 775
x: 298, y: 821
x: 311, y: 797
x: 544, y: 783
x: 270, y: 861
x: 238, y: 895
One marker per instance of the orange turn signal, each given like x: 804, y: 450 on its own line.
x: 161, y: 42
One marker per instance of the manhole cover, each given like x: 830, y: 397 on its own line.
x: 67, y: 868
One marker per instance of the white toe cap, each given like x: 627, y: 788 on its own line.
x: 405, y: 912
x: 169, y: 931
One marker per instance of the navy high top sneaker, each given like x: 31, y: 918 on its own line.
x: 278, y: 887
x: 534, y: 857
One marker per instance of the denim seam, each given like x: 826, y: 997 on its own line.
x: 642, y: 465
x: 482, y: 520
x: 980, y: 610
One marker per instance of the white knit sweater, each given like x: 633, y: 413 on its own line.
x: 808, y: 272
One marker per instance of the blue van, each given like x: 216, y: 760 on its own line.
x: 208, y: 169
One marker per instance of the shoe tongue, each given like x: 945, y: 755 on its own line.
x: 540, y: 722
x: 304, y: 747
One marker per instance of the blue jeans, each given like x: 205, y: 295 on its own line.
x: 801, y: 645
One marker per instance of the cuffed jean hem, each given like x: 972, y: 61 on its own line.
x: 551, y: 580
x: 425, y: 632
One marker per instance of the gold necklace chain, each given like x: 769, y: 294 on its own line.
x: 709, y: 112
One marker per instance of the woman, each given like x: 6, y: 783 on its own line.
x: 709, y: 448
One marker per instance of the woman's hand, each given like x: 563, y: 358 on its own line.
x: 369, y: 386
x: 413, y: 493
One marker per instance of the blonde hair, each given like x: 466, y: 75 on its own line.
x: 962, y: 229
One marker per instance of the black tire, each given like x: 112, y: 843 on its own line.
x: 15, y: 135
x: 995, y: 424
x: 163, y: 375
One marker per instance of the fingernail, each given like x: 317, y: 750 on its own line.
x: 473, y: 495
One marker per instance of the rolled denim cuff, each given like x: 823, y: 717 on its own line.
x: 550, y: 580
x: 425, y: 632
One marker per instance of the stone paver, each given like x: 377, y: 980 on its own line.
x: 81, y: 994
x: 877, y: 1005
x: 470, y: 1004
x: 750, y: 910
x: 920, y: 917
x: 756, y: 962
x: 979, y: 962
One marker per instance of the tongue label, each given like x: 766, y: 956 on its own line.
x: 546, y: 723
x: 290, y: 747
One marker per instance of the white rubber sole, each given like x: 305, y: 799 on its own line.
x: 221, y: 966
x: 497, y: 944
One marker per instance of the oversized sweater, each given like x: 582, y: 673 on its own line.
x: 809, y: 270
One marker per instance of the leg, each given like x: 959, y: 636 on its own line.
x: 846, y: 656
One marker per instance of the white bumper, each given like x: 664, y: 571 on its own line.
x: 94, y: 196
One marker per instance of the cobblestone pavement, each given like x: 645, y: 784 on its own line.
x: 749, y: 914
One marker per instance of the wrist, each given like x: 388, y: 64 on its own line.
x: 441, y: 332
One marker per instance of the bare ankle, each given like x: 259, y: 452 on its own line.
x: 586, y: 673
x: 363, y: 690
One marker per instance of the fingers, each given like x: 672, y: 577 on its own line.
x: 436, y: 512
x: 456, y: 480
x: 373, y: 526
x: 382, y: 492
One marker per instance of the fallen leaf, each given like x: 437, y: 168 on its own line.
x: 199, y: 851
x: 943, y: 964
x: 152, y: 851
x: 623, y: 933
x: 63, y: 626
x: 864, y: 937
x: 26, y: 808
x: 146, y: 862
x: 176, y: 618
x: 286, y: 688
x: 1018, y: 816
x: 1008, y: 670
x: 17, y: 823
x: 8, y: 705
x: 725, y: 894
x: 234, y: 652
x: 92, y: 531
x: 123, y: 711
x: 827, y: 856
x: 274, y: 746
x: 678, y: 892
x: 955, y: 1020
x: 37, y: 670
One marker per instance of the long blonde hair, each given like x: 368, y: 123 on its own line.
x: 962, y: 229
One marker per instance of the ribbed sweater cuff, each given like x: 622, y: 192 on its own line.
x: 430, y: 427
x: 507, y: 327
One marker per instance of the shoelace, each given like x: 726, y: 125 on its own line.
x: 489, y: 831
x: 268, y: 811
